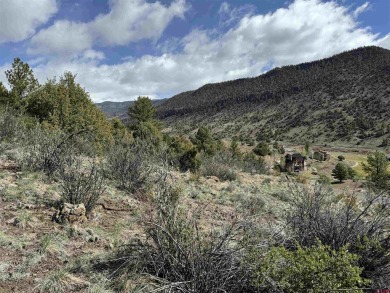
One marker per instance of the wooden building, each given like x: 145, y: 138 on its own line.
x: 321, y: 156
x: 295, y: 163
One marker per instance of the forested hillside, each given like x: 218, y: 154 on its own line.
x: 345, y: 97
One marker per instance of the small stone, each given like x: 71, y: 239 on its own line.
x: 69, y: 213
x: 11, y: 221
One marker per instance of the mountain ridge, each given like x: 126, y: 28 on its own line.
x: 352, y: 87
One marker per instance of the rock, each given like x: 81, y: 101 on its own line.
x: 70, y: 213
x: 79, y: 210
x: 214, y: 178
x: 11, y: 221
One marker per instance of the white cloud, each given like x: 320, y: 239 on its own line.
x: 93, y: 55
x: 305, y: 30
x: 366, y: 6
x: 384, y: 42
x: 128, y: 21
x: 132, y: 20
x: 63, y: 37
x: 19, y: 18
x: 229, y: 15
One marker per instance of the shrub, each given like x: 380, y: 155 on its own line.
x: 46, y: 150
x: 320, y: 215
x: 262, y: 149
x: 130, y: 166
x: 182, y: 258
x: 323, y: 179
x: 190, y: 161
x: 314, y: 269
x: 9, y: 126
x: 222, y: 165
x: 215, y: 168
x: 253, y: 165
x: 81, y: 184
x: 341, y: 158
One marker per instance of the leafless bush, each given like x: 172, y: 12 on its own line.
x: 130, y: 166
x: 362, y: 225
x: 46, y: 150
x: 220, y: 170
x: 80, y: 183
x: 9, y: 125
x: 183, y: 258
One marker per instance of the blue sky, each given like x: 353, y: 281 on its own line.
x: 121, y: 49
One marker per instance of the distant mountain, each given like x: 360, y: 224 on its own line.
x: 119, y: 109
x: 342, y: 98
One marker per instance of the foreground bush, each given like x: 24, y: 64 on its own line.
x: 81, y: 184
x: 314, y: 269
x: 46, y: 150
x: 9, y: 126
x: 319, y: 215
x: 182, y: 258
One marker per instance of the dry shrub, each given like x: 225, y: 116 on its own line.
x: 179, y: 257
x: 222, y: 171
x: 318, y: 215
x: 81, y: 184
x: 47, y: 150
x: 130, y: 166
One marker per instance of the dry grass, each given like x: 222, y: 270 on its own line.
x: 43, y: 250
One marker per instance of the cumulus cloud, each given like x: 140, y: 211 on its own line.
x: 63, y: 37
x: 127, y: 21
x: 303, y: 31
x: 133, y: 20
x: 19, y: 18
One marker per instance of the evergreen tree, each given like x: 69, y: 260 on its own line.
x: 377, y: 168
x: 3, y: 94
x: 204, y: 141
x: 142, y: 110
x: 65, y: 105
x: 21, y: 80
x: 340, y: 172
x: 120, y: 132
x: 144, y: 125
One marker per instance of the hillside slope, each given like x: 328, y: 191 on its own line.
x: 342, y: 98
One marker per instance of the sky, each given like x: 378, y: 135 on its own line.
x: 122, y: 49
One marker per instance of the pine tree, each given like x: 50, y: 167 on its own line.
x: 377, y: 168
x: 21, y: 80
x: 145, y: 126
x: 142, y: 110
x: 3, y: 94
x: 204, y: 141
x: 340, y: 172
